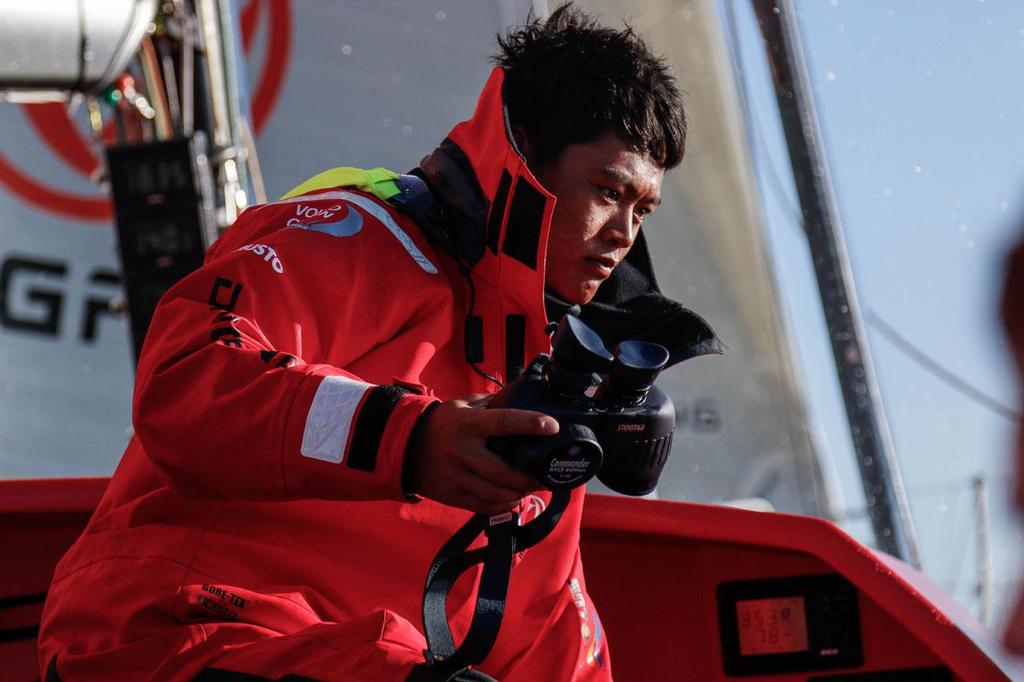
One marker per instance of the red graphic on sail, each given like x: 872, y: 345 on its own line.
x: 68, y: 144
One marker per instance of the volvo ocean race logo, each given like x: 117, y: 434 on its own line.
x: 337, y: 220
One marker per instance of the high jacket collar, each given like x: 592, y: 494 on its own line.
x: 493, y: 214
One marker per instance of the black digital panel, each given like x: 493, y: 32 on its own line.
x: 158, y: 169
x: 161, y: 240
x: 790, y: 624
x: 161, y: 203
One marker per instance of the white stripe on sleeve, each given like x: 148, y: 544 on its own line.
x: 331, y: 417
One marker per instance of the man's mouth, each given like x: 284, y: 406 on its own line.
x: 602, y: 264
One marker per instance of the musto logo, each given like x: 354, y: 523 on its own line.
x: 67, y: 142
x: 268, y: 254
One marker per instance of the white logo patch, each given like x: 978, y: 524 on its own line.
x: 531, y: 507
x: 378, y: 212
x: 339, y: 221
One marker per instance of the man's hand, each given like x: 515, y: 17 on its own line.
x: 451, y: 464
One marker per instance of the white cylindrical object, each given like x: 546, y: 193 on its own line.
x: 68, y: 45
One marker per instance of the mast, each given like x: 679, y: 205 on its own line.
x: 984, y: 585
x: 883, y: 486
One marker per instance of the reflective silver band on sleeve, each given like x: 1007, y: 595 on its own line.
x: 331, y: 417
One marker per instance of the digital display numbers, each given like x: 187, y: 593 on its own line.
x: 771, y: 626
x: 146, y: 176
x: 789, y: 624
x: 156, y: 175
x: 165, y: 236
x: 163, y: 203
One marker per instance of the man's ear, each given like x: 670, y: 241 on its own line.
x: 524, y: 145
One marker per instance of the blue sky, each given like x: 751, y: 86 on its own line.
x: 921, y: 107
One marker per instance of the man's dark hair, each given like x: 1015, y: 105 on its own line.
x: 569, y: 80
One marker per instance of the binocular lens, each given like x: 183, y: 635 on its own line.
x: 577, y: 352
x: 642, y: 355
x: 637, y: 364
x: 579, y: 347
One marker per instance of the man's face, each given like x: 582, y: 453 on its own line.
x: 605, y: 188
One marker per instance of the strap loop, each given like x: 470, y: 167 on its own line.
x: 504, y: 538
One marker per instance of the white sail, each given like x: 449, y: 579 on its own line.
x: 371, y: 84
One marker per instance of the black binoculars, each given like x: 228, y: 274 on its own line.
x: 615, y: 423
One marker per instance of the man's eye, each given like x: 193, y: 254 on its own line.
x: 611, y: 194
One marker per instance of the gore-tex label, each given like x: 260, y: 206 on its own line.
x: 217, y: 601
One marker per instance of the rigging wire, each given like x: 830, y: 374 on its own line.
x: 959, y: 536
x: 949, y: 487
x: 763, y: 158
x: 259, y: 188
x: 155, y: 88
x: 935, y: 368
x: 170, y: 81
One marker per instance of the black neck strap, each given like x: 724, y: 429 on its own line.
x: 505, y: 537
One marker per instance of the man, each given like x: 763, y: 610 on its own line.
x: 302, y: 449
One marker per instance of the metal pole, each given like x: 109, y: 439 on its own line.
x: 217, y: 24
x: 872, y: 444
x: 984, y: 551
x: 237, y: 116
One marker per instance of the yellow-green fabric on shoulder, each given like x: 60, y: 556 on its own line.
x: 378, y: 181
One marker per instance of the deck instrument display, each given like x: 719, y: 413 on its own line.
x: 789, y: 624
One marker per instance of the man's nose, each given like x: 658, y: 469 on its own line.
x: 622, y: 229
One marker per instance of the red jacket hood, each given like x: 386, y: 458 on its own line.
x: 496, y: 216
x: 491, y: 212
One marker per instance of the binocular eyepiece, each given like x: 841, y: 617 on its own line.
x: 615, y: 423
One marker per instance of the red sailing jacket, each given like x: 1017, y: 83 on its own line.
x: 275, y: 394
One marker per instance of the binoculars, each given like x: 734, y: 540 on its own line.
x: 614, y: 422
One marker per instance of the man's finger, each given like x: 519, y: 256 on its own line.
x: 487, y: 509
x: 502, y: 421
x: 476, y: 505
x: 488, y: 493
x: 490, y: 467
x: 477, y: 400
